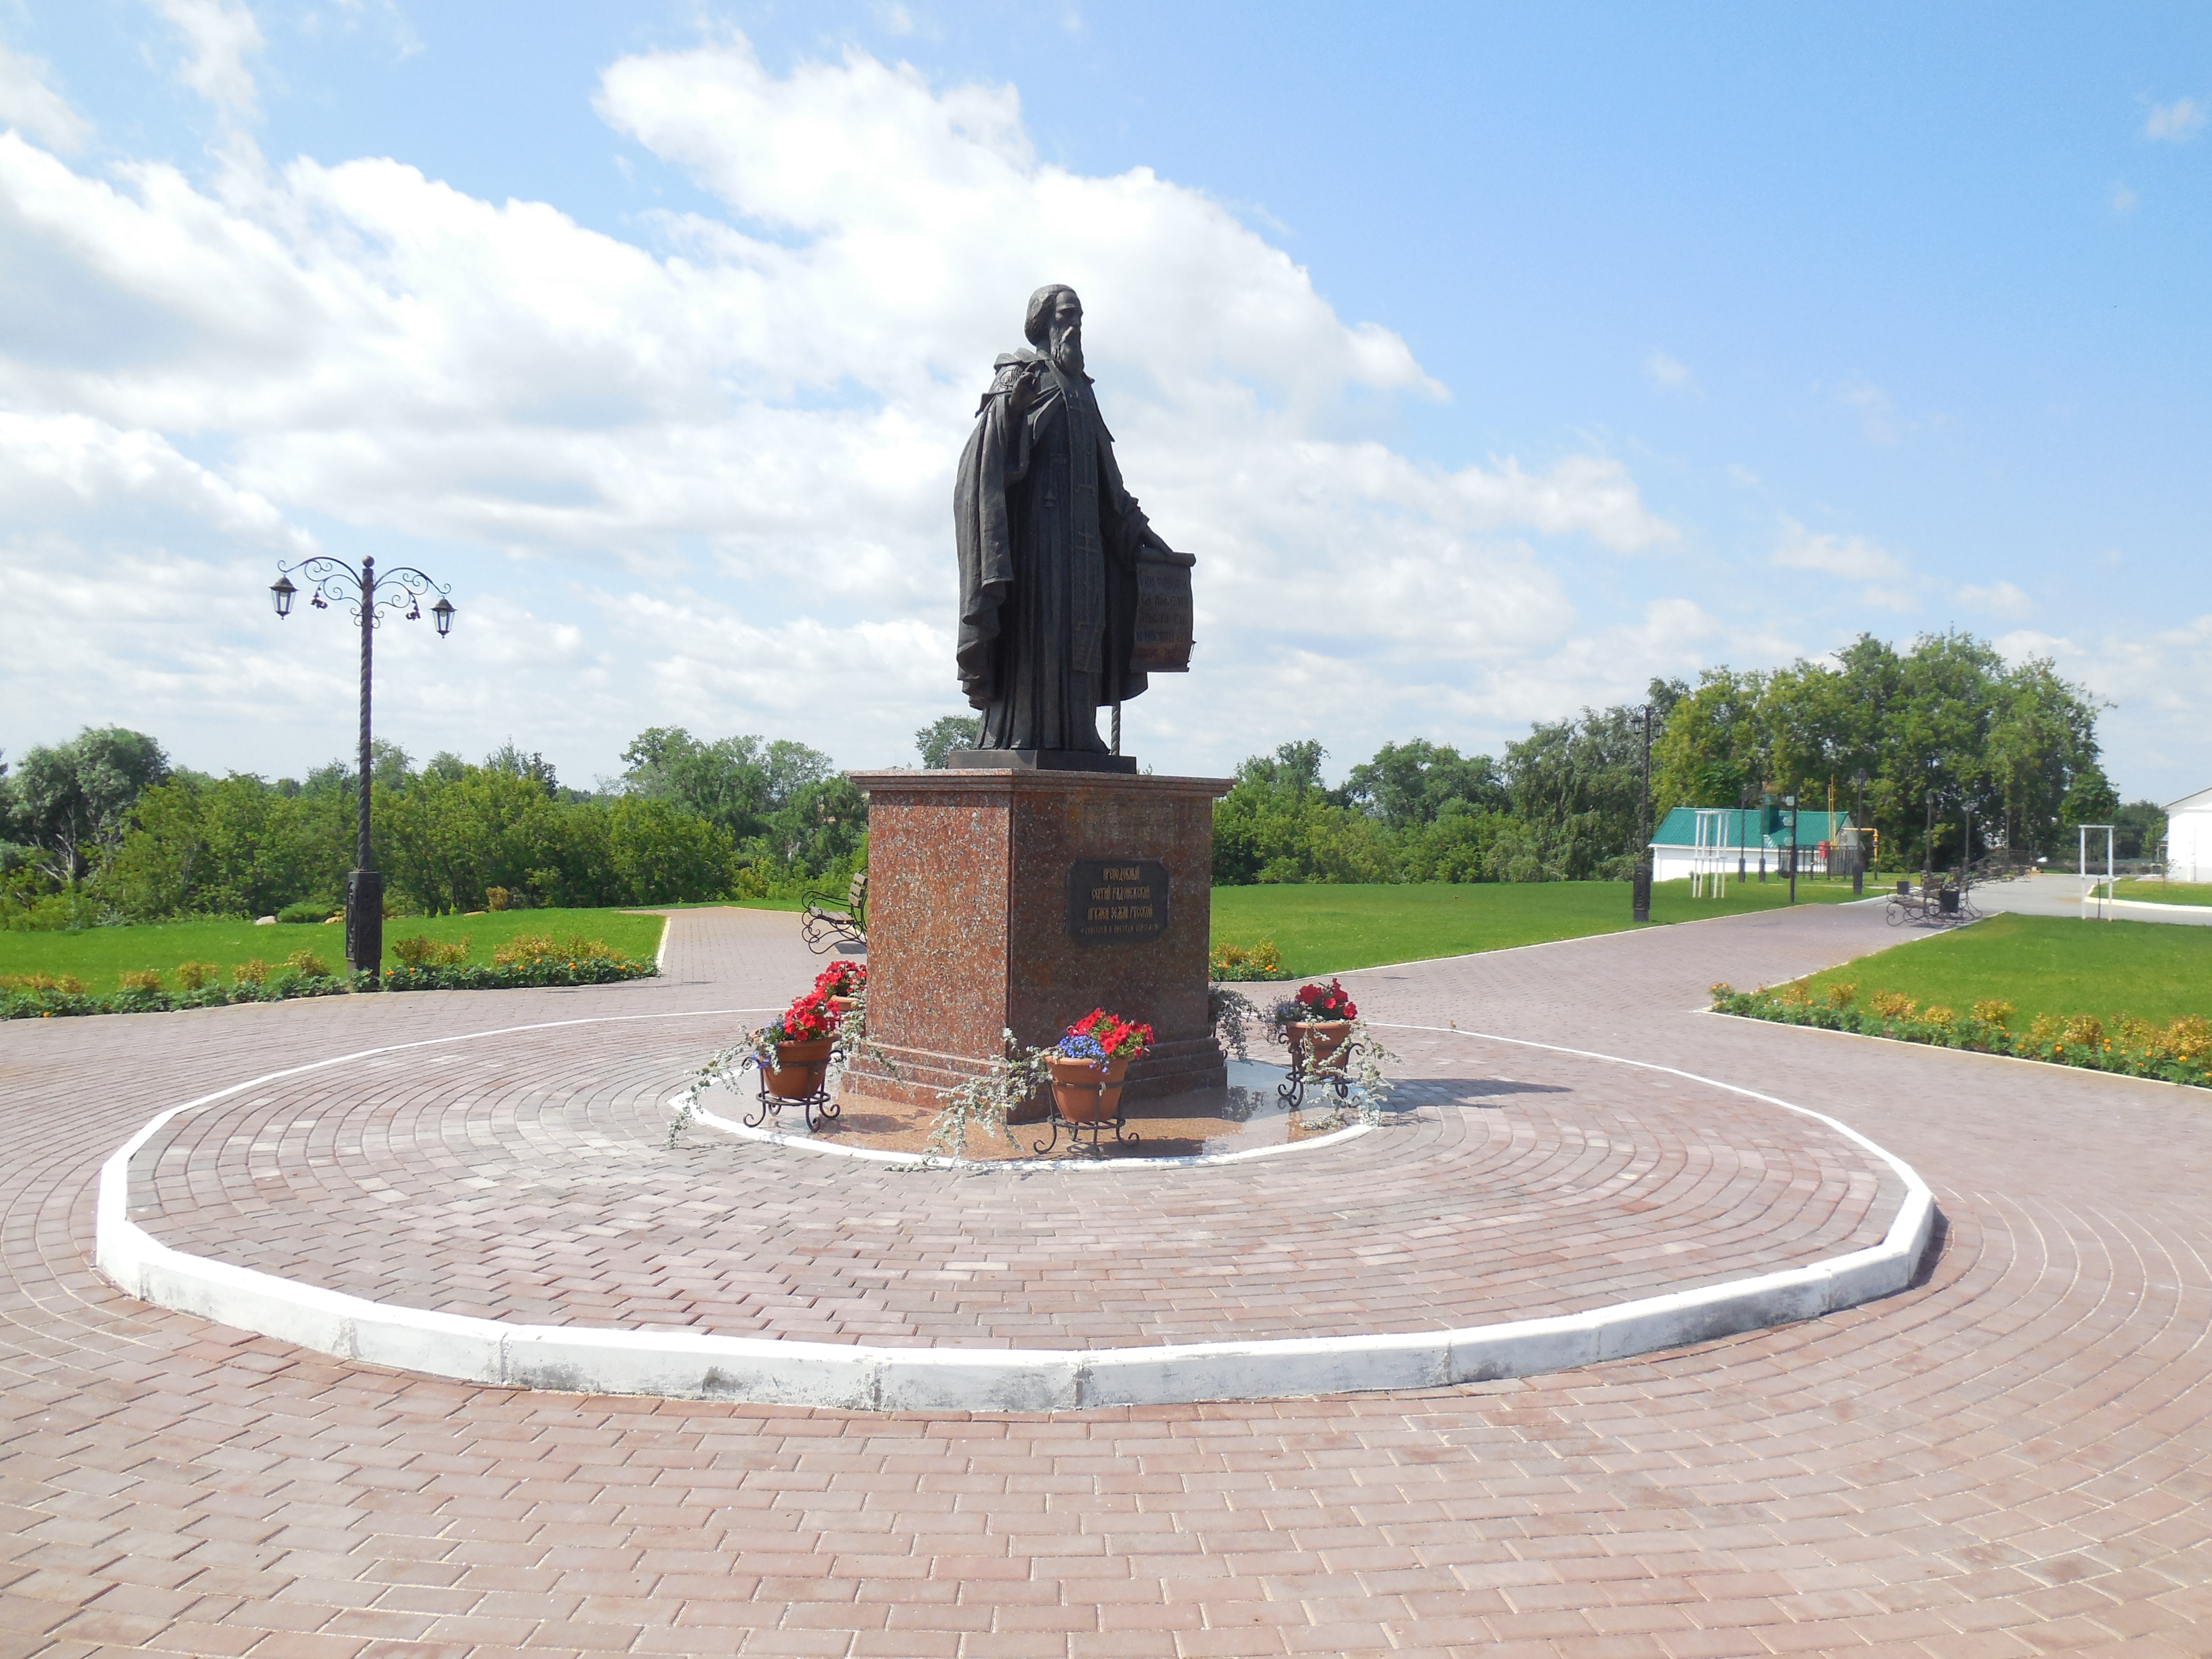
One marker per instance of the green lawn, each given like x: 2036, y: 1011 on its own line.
x: 2047, y: 965
x: 1322, y: 929
x: 98, y: 954
x: 2165, y: 892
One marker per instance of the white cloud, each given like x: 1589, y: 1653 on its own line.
x: 221, y: 34
x: 1797, y: 548
x: 2122, y: 200
x: 1668, y: 372
x: 61, y: 460
x: 761, y: 414
x: 2175, y: 122
x: 27, y: 102
x: 2000, y: 597
x: 1877, y: 415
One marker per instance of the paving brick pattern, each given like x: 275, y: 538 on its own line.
x: 527, y: 1177
x: 2012, y: 1458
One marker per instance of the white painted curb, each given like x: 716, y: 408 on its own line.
x: 858, y: 1378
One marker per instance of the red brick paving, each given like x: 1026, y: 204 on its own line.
x: 527, y: 1177
x: 2012, y: 1458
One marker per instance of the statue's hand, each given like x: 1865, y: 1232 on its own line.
x: 1024, y: 391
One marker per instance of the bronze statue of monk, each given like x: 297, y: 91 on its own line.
x: 1050, y: 545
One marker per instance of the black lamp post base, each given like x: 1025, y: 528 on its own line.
x: 365, y: 920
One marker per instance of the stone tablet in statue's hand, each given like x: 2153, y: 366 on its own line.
x: 1154, y: 550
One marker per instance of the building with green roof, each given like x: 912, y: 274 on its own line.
x: 1753, y: 839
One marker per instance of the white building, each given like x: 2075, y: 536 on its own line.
x: 2188, y: 838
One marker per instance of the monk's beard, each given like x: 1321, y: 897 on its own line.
x: 1067, y: 350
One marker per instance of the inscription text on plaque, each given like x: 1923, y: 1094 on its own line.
x: 1115, y: 899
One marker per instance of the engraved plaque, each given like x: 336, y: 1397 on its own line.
x: 1110, y: 900
x: 1163, y: 618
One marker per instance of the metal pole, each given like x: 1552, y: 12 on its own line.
x: 365, y: 887
x: 1858, y: 822
x: 1117, y: 726
x: 1791, y: 802
x: 1639, y: 893
x: 1927, y: 843
x: 368, y: 653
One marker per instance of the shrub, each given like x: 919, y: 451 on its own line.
x: 1892, y: 1005
x: 1940, y: 1013
x: 253, y: 971
x: 540, y: 971
x: 139, y: 979
x: 2190, y: 1037
x: 496, y: 898
x: 1994, y: 1011
x: 2084, y: 1031
x: 1841, y: 996
x: 308, y: 965
x: 198, y: 975
x: 1795, y: 994
x: 2046, y: 1029
x: 67, y: 984
x: 423, y: 952
x: 522, y: 949
x: 307, y: 910
x: 1238, y: 962
x: 525, y: 948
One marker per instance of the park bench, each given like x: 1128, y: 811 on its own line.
x: 1931, y: 904
x: 830, y: 919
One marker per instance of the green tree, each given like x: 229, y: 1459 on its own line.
x: 71, y: 803
x: 944, y: 734
x: 1407, y: 785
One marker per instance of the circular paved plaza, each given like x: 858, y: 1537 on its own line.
x: 2010, y: 1456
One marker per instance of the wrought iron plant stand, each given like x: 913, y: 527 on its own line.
x: 1333, y: 1077
x: 1097, y: 1125
x: 820, y: 1106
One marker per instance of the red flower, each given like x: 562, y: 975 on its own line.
x: 842, y: 979
x: 1115, y: 1034
x: 1329, y: 1001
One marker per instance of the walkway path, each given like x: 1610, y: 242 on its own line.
x: 2060, y: 895
x: 2012, y: 1458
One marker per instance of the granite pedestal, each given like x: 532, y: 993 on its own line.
x: 1020, y: 900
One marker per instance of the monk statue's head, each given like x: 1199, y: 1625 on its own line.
x: 1054, y: 326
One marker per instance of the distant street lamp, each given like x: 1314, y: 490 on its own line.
x: 1790, y: 801
x: 1858, y: 825
x: 1639, y: 891
x: 1928, y: 845
x: 366, y: 591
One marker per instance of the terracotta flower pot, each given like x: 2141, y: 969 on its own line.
x: 799, y: 1068
x: 1087, y: 1091
x: 1322, y: 1039
x: 842, y: 1007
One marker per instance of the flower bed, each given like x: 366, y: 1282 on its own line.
x: 50, y: 996
x: 2180, y: 1053
x: 59, y: 1003
x: 543, y: 970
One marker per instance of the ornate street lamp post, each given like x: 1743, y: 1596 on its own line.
x: 1858, y: 825
x: 1640, y: 891
x: 368, y: 594
x: 1790, y: 801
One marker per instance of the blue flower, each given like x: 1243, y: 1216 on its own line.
x: 1076, y: 1046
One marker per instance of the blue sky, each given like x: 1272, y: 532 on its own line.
x: 1492, y: 359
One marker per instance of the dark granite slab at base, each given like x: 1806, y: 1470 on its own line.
x: 969, y: 925
x: 1039, y: 760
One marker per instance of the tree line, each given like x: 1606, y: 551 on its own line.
x: 104, y: 828
x: 1943, y: 729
